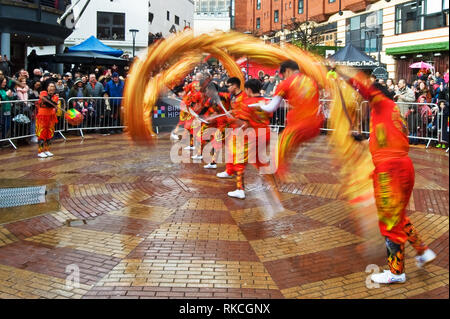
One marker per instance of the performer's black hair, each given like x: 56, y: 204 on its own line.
x: 254, y: 85
x: 234, y: 80
x: 384, y: 90
x: 289, y: 64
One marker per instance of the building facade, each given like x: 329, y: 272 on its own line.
x: 395, y: 32
x: 399, y: 33
x: 111, y: 21
x: 25, y: 24
x: 211, y: 15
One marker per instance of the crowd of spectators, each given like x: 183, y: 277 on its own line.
x: 419, y: 102
x: 424, y: 104
x: 22, y: 86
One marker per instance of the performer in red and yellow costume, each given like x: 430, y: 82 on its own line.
x: 192, y: 100
x: 229, y: 101
x: 303, y: 121
x: 46, y: 119
x: 246, y: 117
x: 393, y: 177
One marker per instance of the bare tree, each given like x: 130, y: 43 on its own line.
x: 306, y: 34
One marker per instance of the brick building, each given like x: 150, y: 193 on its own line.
x: 267, y: 16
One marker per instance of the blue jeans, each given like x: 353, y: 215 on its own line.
x: 6, y: 125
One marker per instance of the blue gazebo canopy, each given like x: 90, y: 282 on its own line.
x: 92, y: 44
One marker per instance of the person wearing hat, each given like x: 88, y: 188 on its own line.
x: 68, y: 78
x: 78, y: 90
x: 114, y: 90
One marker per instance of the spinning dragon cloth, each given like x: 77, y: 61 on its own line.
x: 170, y: 60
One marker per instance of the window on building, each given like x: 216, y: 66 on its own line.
x: 421, y: 15
x: 258, y: 23
x: 111, y: 26
x: 258, y: 4
x: 275, y: 16
x: 300, y: 6
x: 331, y: 1
x: 150, y: 17
x: 177, y: 20
x: 362, y: 30
x: 168, y: 16
x: 290, y: 4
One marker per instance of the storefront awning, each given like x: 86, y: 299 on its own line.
x: 419, y: 48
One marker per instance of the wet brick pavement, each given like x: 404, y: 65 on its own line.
x: 162, y: 230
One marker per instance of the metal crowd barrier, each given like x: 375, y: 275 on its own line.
x: 104, y: 113
x: 21, y: 121
x: 99, y: 113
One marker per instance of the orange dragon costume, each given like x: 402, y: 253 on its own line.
x: 45, y: 121
x: 393, y: 177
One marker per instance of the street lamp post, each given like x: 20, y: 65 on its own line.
x: 379, y: 36
x: 133, y: 33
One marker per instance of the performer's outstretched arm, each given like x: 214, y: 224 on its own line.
x: 272, y: 106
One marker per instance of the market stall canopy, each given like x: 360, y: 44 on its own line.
x: 351, y: 56
x: 82, y: 58
x: 92, y: 44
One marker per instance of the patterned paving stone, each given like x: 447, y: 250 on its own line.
x: 189, y: 273
x: 6, y: 237
x: 108, y: 244
x: 194, y: 249
x: 354, y: 286
x: 16, y: 283
x: 57, y: 262
x: 198, y: 231
x: 302, y: 243
x: 259, y: 214
x: 204, y: 204
x: 151, y: 213
x: 158, y: 229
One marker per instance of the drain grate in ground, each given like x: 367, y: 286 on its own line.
x: 22, y: 196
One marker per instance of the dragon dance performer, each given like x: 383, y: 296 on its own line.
x: 46, y: 119
x: 303, y: 121
x: 244, y: 117
x: 229, y: 101
x: 192, y: 99
x: 210, y: 108
x: 393, y: 178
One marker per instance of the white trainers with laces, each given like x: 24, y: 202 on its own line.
x: 386, y: 277
x: 197, y: 157
x: 210, y: 166
x: 189, y: 148
x: 48, y: 154
x: 224, y: 174
x: 238, y: 193
x: 425, y: 258
x: 42, y: 155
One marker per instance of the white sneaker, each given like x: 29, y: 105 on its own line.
x: 224, y: 174
x: 386, y: 277
x: 48, y: 153
x: 173, y: 136
x: 238, y: 193
x: 189, y: 148
x: 425, y: 258
x: 197, y: 157
x: 42, y: 155
x: 210, y: 166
